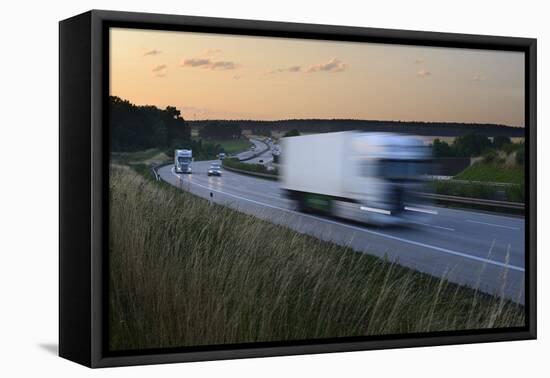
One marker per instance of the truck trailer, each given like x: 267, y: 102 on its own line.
x: 365, y: 177
x: 182, y: 161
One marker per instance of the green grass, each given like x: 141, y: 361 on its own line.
x: 147, y: 156
x: 230, y: 146
x: 468, y: 189
x: 515, y: 193
x: 253, y: 168
x: 184, y: 272
x: 492, y: 173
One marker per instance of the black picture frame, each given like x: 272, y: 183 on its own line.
x: 83, y: 195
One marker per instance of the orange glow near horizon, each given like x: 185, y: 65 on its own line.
x: 212, y: 76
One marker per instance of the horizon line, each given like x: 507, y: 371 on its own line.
x: 351, y: 119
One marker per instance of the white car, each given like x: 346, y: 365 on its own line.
x: 215, y: 170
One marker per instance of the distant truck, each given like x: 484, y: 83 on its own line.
x: 366, y: 177
x: 221, y: 155
x: 183, y: 160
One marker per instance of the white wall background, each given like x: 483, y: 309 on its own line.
x: 29, y: 188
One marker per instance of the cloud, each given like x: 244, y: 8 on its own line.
x: 209, y: 52
x: 479, y: 78
x: 287, y: 69
x: 423, y: 73
x: 159, y: 68
x: 334, y: 65
x: 207, y: 63
x: 152, y: 52
x: 195, y: 62
x: 223, y: 65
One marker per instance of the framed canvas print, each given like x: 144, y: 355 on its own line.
x: 234, y: 188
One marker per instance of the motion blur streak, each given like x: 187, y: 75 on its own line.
x: 365, y: 177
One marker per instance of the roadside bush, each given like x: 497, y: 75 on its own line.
x: 500, y: 141
x: 515, y: 193
x: 490, y: 156
x: 291, y: 133
x: 258, y: 168
x: 441, y: 148
x: 471, y: 144
x: 520, y: 155
x: 511, y: 147
x: 470, y: 190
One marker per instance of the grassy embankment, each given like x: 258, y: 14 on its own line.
x: 492, y: 173
x: 153, y: 155
x: 183, y: 272
x: 233, y: 146
x: 481, y: 179
x: 477, y: 177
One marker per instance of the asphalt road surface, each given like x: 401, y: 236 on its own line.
x: 477, y: 249
x: 263, y: 158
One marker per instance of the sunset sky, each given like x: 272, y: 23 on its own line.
x: 212, y: 76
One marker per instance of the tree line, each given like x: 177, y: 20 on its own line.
x: 220, y: 130
x: 330, y: 125
x: 470, y: 145
x: 136, y: 127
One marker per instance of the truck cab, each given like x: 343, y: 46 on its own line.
x: 182, y: 161
x: 387, y: 171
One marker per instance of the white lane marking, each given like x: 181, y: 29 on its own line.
x: 417, y: 209
x: 372, y: 209
x: 493, y: 224
x: 381, y: 234
x: 496, y: 217
x: 434, y: 226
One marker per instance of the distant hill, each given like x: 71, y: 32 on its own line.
x: 331, y: 125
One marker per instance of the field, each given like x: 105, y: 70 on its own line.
x: 145, y: 157
x: 230, y: 146
x: 185, y: 272
x: 492, y: 173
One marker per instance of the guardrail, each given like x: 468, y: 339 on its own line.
x: 433, y: 196
x: 251, y: 173
x: 257, y: 153
x: 485, y: 183
x: 157, y: 177
x: 155, y: 167
x: 474, y: 201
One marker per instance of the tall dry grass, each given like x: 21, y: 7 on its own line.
x: 186, y: 273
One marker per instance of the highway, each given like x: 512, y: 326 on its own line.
x: 477, y: 249
x: 263, y: 158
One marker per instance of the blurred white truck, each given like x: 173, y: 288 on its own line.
x: 366, y: 177
x: 182, y: 161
